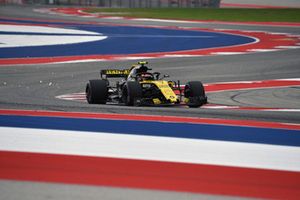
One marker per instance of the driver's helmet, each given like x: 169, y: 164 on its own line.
x: 142, y: 69
x: 145, y: 77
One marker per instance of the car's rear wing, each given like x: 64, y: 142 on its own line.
x: 114, y: 73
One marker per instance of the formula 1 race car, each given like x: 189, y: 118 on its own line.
x: 140, y: 87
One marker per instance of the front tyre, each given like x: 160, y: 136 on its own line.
x: 96, y: 92
x: 195, y: 94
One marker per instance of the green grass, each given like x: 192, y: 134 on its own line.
x: 225, y: 14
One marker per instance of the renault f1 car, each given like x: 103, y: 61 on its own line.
x: 138, y: 86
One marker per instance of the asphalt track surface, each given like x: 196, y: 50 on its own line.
x: 34, y: 87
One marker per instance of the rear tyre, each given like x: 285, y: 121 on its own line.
x: 195, y: 93
x: 96, y: 92
x: 132, y: 93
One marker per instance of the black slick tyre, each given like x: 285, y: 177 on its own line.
x: 96, y: 92
x: 131, y: 93
x: 195, y: 93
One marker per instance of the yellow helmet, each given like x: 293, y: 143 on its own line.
x: 142, y: 62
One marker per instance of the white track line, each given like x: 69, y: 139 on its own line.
x: 228, y: 53
x: 197, y: 151
x: 263, y: 50
x: 288, y: 47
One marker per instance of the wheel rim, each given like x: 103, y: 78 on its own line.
x: 88, y: 94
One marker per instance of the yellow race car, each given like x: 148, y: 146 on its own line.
x: 138, y: 86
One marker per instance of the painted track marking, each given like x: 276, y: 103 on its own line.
x: 149, y: 174
x: 41, y: 151
x: 260, y: 42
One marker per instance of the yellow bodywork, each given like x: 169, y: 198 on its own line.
x: 165, y: 89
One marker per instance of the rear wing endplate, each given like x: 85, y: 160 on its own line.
x: 114, y: 73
